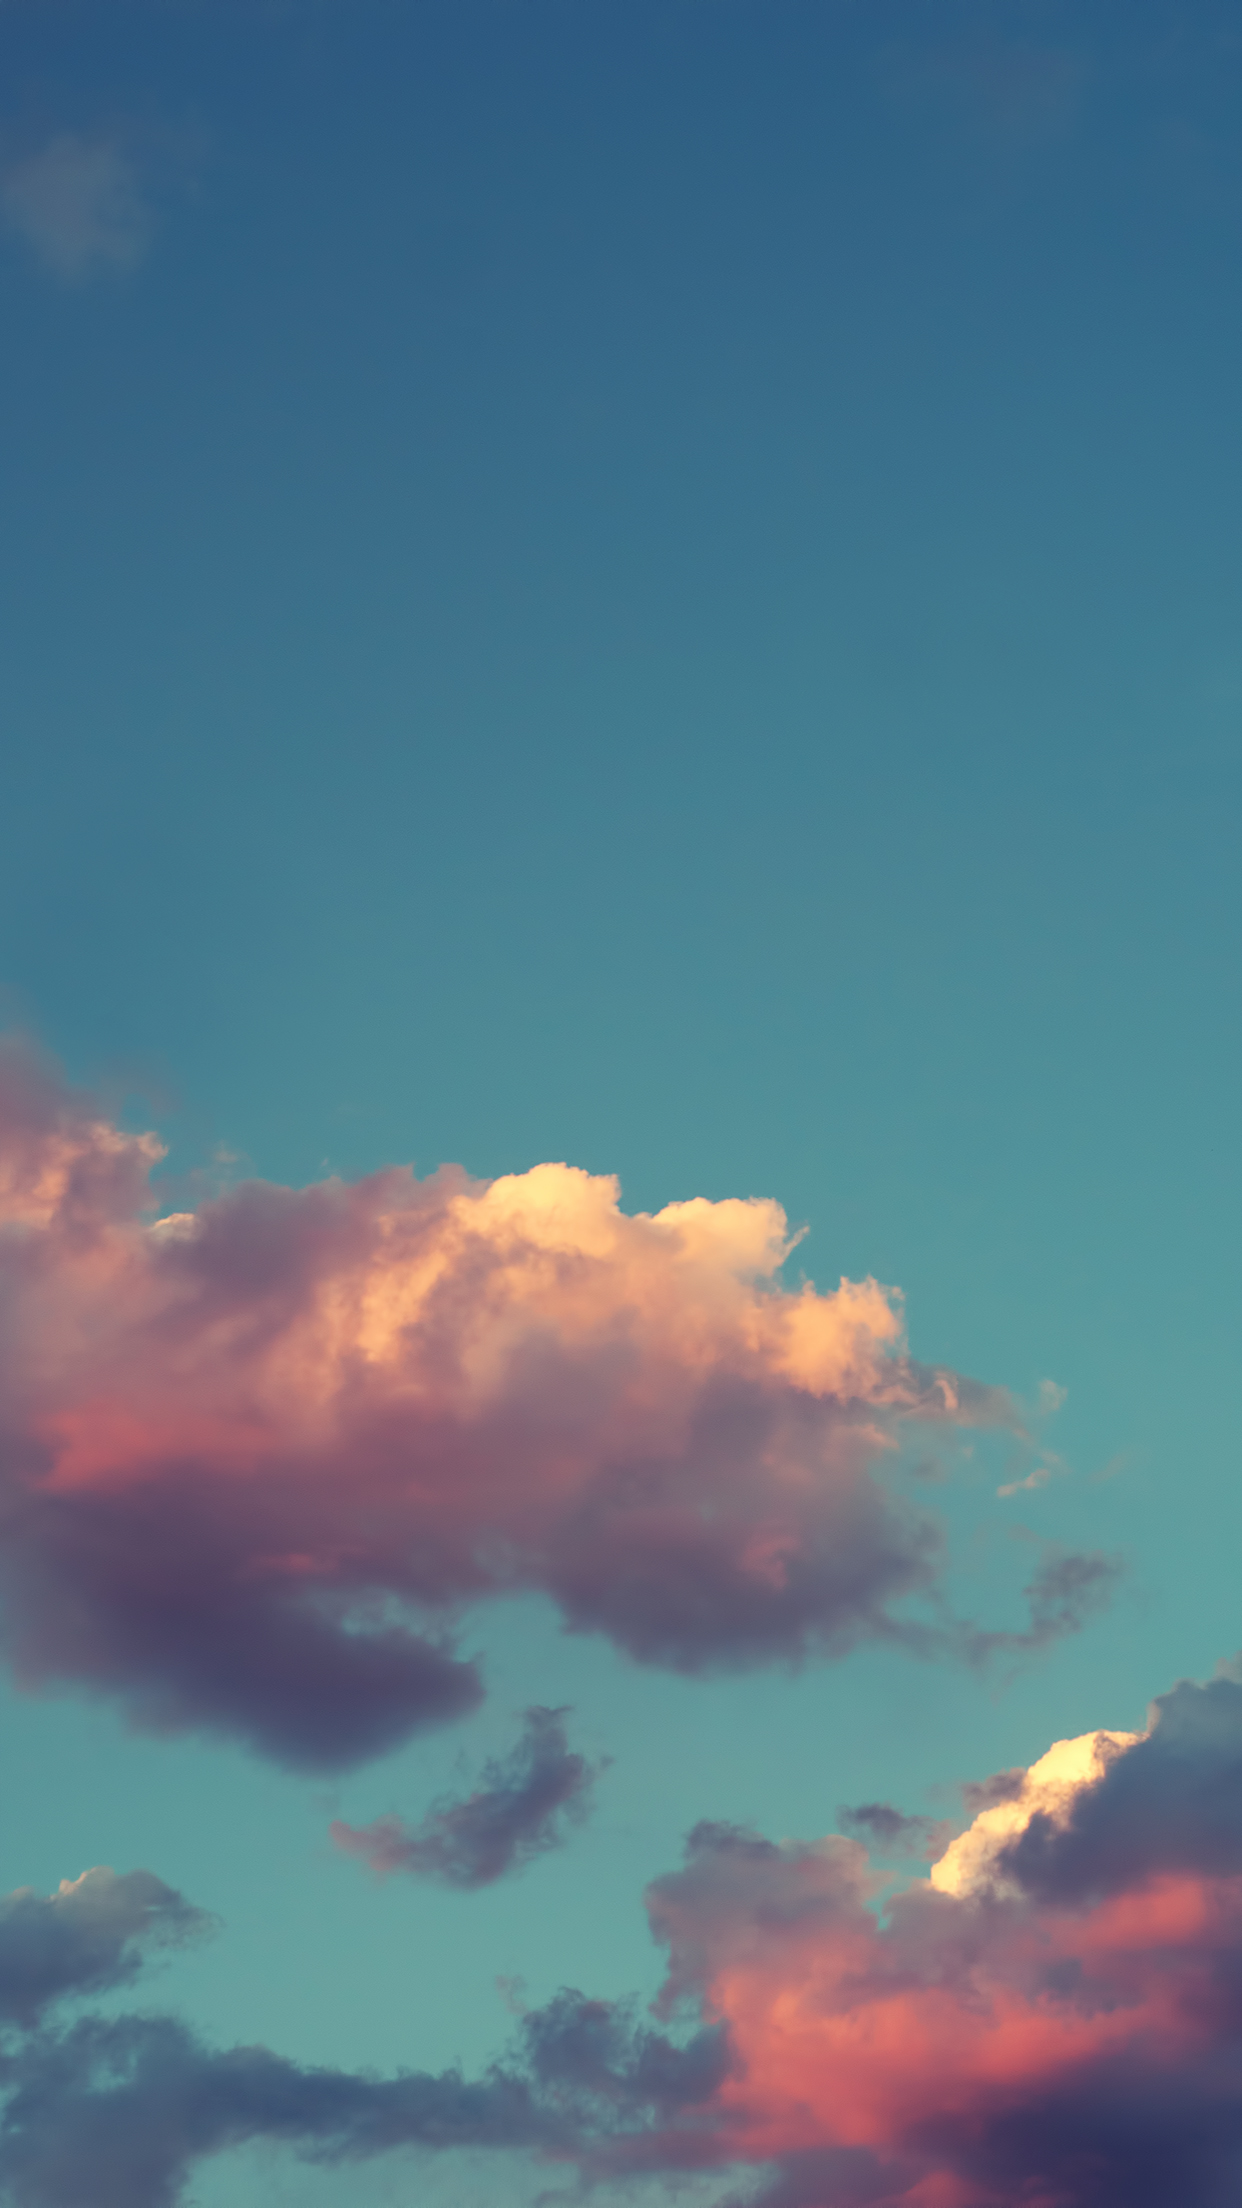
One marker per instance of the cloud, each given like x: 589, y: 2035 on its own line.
x: 255, y: 1458
x: 117, y: 2112
x: 890, y: 1832
x: 91, y: 1934
x: 1171, y: 1803
x: 79, y: 205
x: 1010, y: 92
x: 1052, y: 2015
x: 1038, y: 1477
x: 1065, y: 1589
x: 984, y: 1858
x: 1001, y: 1786
x: 520, y: 1811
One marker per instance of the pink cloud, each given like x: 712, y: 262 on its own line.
x: 255, y: 1456
x: 1053, y: 2015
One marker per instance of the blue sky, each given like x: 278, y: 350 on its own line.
x: 654, y: 586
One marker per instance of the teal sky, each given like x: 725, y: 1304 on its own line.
x: 656, y: 585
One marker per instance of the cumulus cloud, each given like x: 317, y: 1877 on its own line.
x: 520, y: 1810
x: 1165, y: 1802
x: 78, y: 204
x: 1052, y: 2015
x: 92, y: 1933
x: 253, y: 1458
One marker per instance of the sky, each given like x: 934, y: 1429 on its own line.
x: 621, y: 680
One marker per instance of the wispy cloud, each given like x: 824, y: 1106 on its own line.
x: 1010, y: 91
x: 889, y: 1832
x: 79, y: 204
x: 1039, y: 1475
x: 520, y: 1810
x: 91, y: 1934
x: 1066, y: 1588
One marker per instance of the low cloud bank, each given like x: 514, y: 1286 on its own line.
x: 521, y: 1810
x: 1053, y: 2015
x: 118, y: 2112
x: 253, y: 1458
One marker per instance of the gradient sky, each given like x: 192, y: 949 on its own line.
x: 654, y: 584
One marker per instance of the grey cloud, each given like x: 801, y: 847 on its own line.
x: 890, y: 1832
x: 595, y: 2049
x: 79, y: 205
x: 117, y: 2113
x: 1172, y: 1802
x: 91, y: 1934
x: 520, y: 1810
x: 114, y: 2114
x: 1002, y: 1786
x: 1066, y: 1588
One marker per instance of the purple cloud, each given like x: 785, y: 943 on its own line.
x: 520, y: 1810
x: 255, y: 1459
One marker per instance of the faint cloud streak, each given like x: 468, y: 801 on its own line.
x: 79, y: 205
x: 1011, y: 92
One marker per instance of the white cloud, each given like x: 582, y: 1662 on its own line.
x: 974, y: 1862
x: 79, y: 205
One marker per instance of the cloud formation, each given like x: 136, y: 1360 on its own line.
x: 253, y: 1458
x: 520, y: 1810
x: 1052, y: 2016
x: 117, y: 2113
x: 78, y: 204
x: 93, y: 1933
